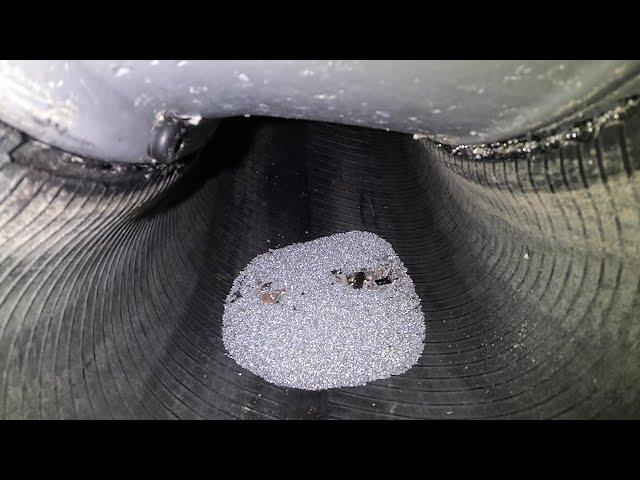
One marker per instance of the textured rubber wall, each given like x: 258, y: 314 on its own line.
x: 112, y: 279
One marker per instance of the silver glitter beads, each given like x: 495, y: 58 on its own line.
x: 337, y: 311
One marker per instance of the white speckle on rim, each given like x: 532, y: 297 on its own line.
x: 121, y: 71
x: 324, y: 96
x: 197, y: 90
x: 192, y: 119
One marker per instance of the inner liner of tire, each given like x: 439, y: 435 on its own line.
x: 112, y: 290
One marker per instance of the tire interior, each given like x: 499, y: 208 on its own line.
x: 112, y: 284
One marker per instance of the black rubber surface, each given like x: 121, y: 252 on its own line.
x: 111, y: 282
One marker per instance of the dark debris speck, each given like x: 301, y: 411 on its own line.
x: 358, y: 280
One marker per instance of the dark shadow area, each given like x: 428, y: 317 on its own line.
x: 225, y: 151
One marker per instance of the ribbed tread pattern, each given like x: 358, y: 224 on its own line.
x: 528, y: 270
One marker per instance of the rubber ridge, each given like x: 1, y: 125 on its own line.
x: 111, y: 284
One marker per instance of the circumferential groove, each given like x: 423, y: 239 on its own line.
x: 112, y: 280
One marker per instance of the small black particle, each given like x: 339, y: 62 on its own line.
x: 237, y: 295
x: 358, y: 280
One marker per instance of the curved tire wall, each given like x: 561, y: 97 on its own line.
x: 112, y: 278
